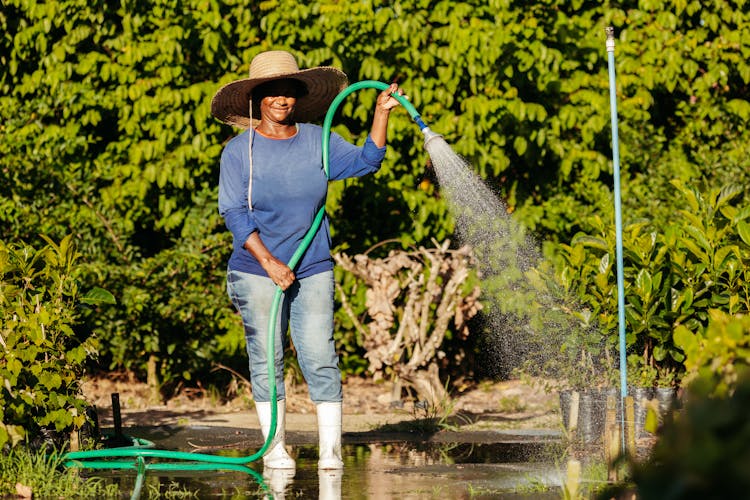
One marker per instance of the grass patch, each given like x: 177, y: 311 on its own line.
x: 41, y: 474
x: 511, y: 404
x: 427, y: 419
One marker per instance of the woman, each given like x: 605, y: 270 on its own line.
x: 271, y: 186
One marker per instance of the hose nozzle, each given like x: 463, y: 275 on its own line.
x: 429, y: 135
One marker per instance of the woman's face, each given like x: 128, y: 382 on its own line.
x: 277, y: 100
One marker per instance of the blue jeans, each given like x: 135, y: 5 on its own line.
x: 307, y: 307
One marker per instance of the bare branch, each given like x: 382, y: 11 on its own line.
x: 412, y: 299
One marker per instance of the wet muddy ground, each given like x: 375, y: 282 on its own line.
x: 477, y: 465
x: 497, y: 440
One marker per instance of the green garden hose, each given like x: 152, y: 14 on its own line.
x: 99, y: 459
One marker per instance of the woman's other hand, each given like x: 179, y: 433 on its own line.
x: 279, y: 273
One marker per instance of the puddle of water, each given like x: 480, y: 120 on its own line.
x: 374, y: 470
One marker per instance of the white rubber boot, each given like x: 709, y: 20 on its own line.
x: 329, y: 435
x: 276, y: 456
x: 279, y: 480
x: 329, y: 482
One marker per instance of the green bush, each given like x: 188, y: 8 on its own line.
x: 43, y: 340
x: 704, y: 452
x: 720, y: 352
x: 673, y: 277
x: 174, y: 321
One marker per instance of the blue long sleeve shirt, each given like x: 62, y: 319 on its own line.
x: 289, y: 186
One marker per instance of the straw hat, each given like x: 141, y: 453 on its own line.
x: 231, y: 103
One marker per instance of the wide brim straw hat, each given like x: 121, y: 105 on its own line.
x: 231, y: 104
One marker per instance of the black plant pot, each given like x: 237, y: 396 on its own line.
x: 641, y: 397
x: 47, y: 438
x: 592, y: 411
x: 565, y: 396
x: 667, y: 398
x: 591, y: 414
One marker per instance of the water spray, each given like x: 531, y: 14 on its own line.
x: 182, y: 461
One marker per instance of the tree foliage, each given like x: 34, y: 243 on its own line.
x: 107, y: 134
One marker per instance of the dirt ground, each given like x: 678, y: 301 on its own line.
x: 487, y: 405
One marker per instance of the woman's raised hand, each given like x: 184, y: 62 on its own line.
x: 386, y: 101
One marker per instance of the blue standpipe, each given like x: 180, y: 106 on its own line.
x: 610, y: 31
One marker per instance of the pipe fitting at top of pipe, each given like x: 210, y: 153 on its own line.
x: 610, y: 31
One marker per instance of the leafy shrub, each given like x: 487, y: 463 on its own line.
x: 705, y: 451
x: 720, y: 352
x: 702, y: 452
x: 44, y: 348
x: 175, y: 321
x: 673, y: 276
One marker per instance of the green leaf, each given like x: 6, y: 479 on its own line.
x: 98, y: 296
x: 520, y: 145
x: 685, y: 339
x: 743, y: 229
x: 590, y: 241
x: 723, y: 254
x: 728, y: 192
x: 660, y: 353
x: 740, y: 107
x: 643, y: 283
